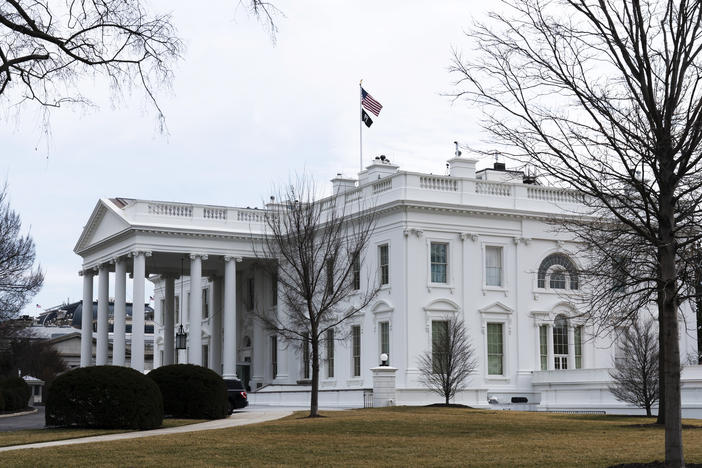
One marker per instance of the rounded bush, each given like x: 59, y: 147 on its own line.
x: 15, y: 393
x: 191, y: 391
x: 109, y: 397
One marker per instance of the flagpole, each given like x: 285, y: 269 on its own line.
x: 360, y: 126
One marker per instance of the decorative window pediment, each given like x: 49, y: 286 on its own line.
x: 496, y: 312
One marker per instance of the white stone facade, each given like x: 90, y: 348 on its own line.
x: 469, y: 244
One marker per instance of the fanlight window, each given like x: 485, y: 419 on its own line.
x: 557, y: 267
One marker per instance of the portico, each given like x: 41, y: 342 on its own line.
x: 171, y: 244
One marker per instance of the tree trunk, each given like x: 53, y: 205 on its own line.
x: 648, y: 409
x: 314, y: 397
x: 668, y: 316
x: 661, y: 361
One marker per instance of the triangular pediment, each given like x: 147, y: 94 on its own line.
x: 496, y: 308
x: 103, y: 224
x: 442, y: 305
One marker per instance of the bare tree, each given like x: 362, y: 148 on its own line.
x: 605, y: 98
x: 635, y: 374
x: 320, y: 250
x: 19, y: 279
x: 446, y: 367
x: 48, y: 49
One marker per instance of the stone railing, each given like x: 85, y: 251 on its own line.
x: 553, y: 195
x: 214, y: 213
x: 250, y: 215
x: 444, y: 184
x: 382, y: 186
x: 496, y: 189
x: 170, y: 209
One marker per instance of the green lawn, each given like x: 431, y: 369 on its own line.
x: 404, y: 436
x: 46, y: 435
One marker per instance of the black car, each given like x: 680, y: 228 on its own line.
x: 236, y: 394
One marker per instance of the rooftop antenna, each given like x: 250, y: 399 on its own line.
x: 458, y: 152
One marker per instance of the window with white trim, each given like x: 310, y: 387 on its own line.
x: 493, y: 266
x: 495, y: 349
x: 330, y: 353
x: 385, y: 339
x: 543, y: 346
x: 384, y: 264
x: 439, y: 262
x: 356, y: 350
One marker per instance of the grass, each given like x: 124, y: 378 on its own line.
x: 405, y: 436
x: 45, y: 435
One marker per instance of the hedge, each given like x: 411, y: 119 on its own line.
x: 108, y: 397
x: 15, y: 393
x: 191, y: 391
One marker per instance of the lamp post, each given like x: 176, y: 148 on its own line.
x: 181, y: 338
x: 384, y: 360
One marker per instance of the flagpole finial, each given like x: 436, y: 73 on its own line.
x: 360, y: 83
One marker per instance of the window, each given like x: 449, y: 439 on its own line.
x: 205, y: 303
x: 205, y: 355
x: 543, y: 346
x: 356, y: 350
x: 439, y: 333
x: 565, y: 263
x: 330, y: 353
x: 493, y: 266
x: 383, y: 264
x: 187, y: 312
x: 356, y: 271
x: 176, y: 310
x: 578, y: 338
x: 557, y: 280
x: 274, y: 289
x: 560, y: 342
x: 439, y: 262
x: 163, y: 311
x: 619, y: 274
x: 250, y: 293
x: 385, y: 339
x: 306, y: 355
x: 495, y: 349
x: 274, y: 356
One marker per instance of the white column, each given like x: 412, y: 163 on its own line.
x: 195, y: 334
x: 138, y: 300
x: 169, y: 322
x: 549, y: 347
x: 102, y: 313
x: 86, y: 327
x: 120, y: 316
x: 229, y: 348
x: 216, y: 325
x: 571, y: 347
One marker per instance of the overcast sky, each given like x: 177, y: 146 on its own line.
x: 243, y: 114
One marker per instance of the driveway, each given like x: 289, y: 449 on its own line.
x: 26, y: 421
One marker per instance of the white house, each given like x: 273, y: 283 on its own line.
x: 472, y: 243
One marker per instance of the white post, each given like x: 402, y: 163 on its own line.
x: 169, y: 322
x: 384, y: 387
x: 229, y: 349
x: 195, y: 334
x: 102, y: 312
x: 571, y: 347
x: 86, y: 327
x: 119, y: 334
x: 549, y: 347
x: 216, y: 327
x: 138, y: 300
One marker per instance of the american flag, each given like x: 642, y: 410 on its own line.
x: 369, y: 103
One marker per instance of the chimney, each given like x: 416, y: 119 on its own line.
x: 342, y: 184
x: 462, y: 167
x: 379, y: 168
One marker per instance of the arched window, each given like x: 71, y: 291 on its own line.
x: 560, y: 342
x: 561, y: 272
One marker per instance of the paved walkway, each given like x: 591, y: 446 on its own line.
x: 33, y: 419
x: 236, y: 419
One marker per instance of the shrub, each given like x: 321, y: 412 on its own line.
x: 191, y: 391
x: 15, y: 393
x: 106, y: 397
